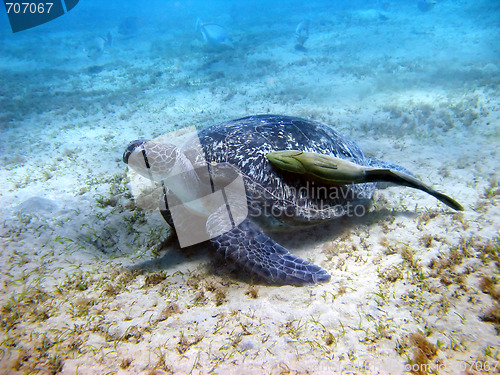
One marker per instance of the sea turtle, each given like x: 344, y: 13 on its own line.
x: 296, y: 173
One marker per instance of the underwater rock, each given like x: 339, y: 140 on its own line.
x: 37, y: 206
x: 426, y: 5
x: 214, y: 35
x: 95, y: 69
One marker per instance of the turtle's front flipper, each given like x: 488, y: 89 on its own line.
x: 252, y: 250
x: 333, y: 170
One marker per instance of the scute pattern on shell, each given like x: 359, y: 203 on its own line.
x: 245, y: 142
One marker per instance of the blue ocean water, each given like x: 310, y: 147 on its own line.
x: 391, y: 42
x: 89, y: 280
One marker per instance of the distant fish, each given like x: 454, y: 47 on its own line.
x: 214, y: 35
x: 369, y: 16
x: 109, y: 39
x: 98, y: 45
x: 301, y: 35
x: 129, y: 26
x: 96, y: 48
x: 426, y: 5
x: 384, y: 4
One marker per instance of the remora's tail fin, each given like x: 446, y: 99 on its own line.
x: 399, y: 178
x: 336, y: 171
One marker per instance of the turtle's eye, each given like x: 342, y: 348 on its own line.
x: 132, y: 146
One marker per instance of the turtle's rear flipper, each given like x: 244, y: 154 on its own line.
x: 252, y: 250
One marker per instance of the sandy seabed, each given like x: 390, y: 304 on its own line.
x: 90, y: 283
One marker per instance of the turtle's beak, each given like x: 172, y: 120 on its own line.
x: 132, y: 146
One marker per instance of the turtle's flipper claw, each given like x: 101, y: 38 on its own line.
x: 251, y: 249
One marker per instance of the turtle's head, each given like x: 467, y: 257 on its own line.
x: 287, y: 161
x: 132, y: 146
x: 150, y: 159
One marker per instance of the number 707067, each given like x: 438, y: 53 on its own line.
x: 29, y: 7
